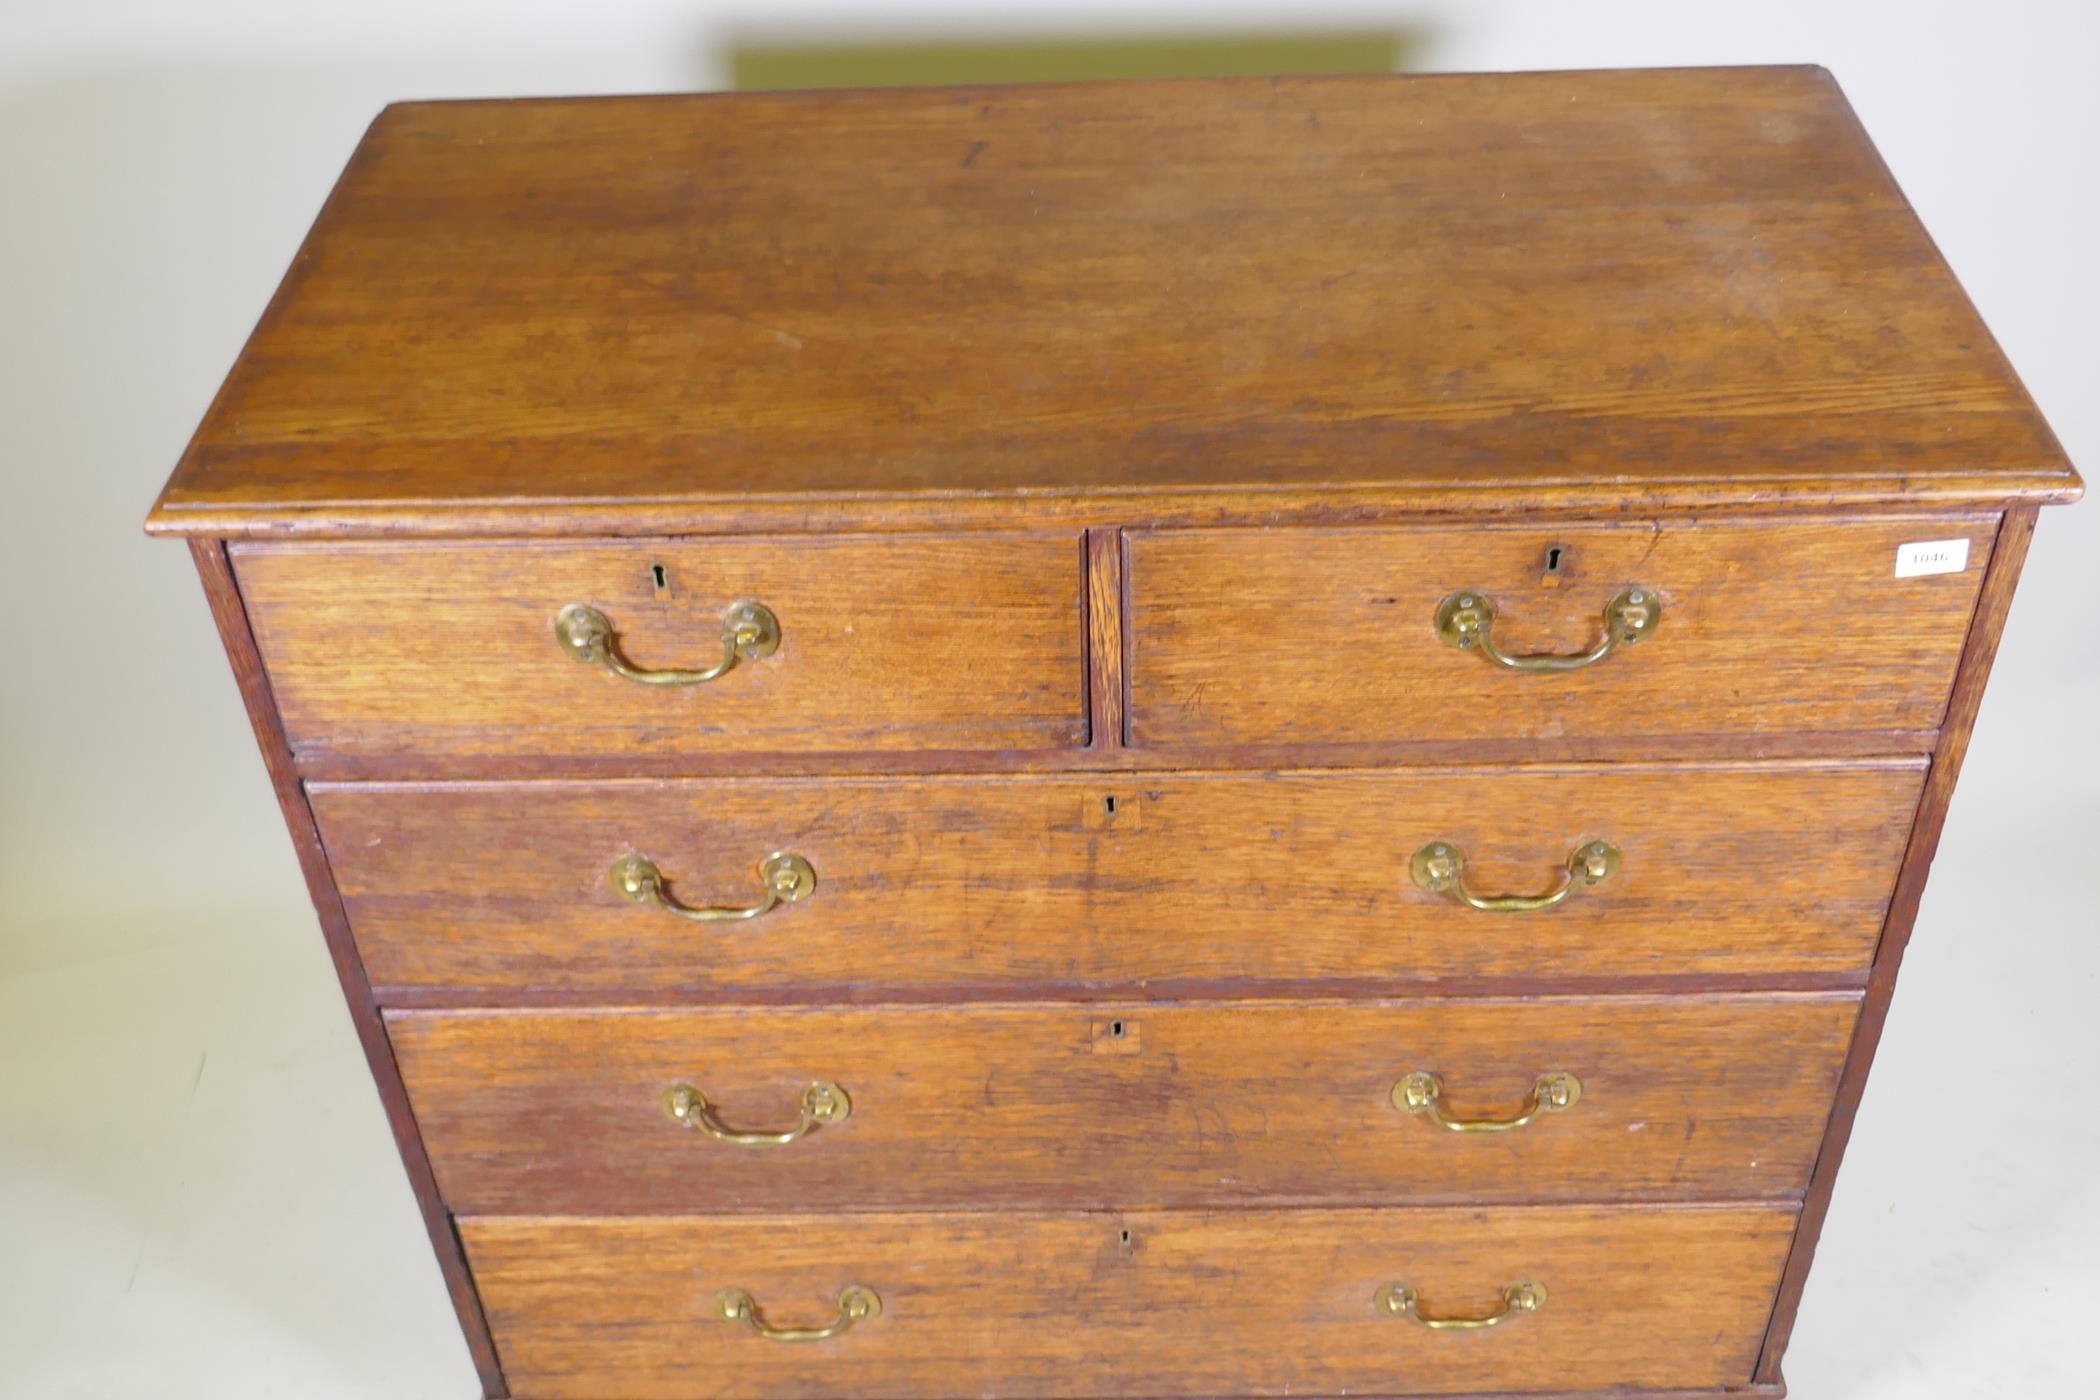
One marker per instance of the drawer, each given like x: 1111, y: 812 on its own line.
x: 1327, y: 636
x: 1643, y: 1098
x: 959, y: 885
x: 1132, y: 1303
x: 883, y: 643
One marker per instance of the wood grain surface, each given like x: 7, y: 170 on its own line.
x: 1249, y: 636
x: 1130, y: 1303
x: 885, y: 644
x: 1058, y: 881
x: 1105, y: 663
x: 693, y: 309
x: 1125, y: 1106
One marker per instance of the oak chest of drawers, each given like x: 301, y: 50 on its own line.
x: 1222, y: 738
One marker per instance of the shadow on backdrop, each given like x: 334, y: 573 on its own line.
x: 760, y: 63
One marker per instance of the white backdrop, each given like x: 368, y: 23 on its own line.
x: 245, y: 1231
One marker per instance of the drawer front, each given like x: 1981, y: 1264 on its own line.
x: 1130, y: 1304
x: 1328, y: 636
x: 1125, y: 1105
x: 891, y: 643
x: 974, y: 884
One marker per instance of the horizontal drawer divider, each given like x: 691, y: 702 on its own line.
x: 1457, y: 764
x: 1235, y: 1208
x: 1789, y: 1201
x: 415, y: 768
x: 1158, y: 993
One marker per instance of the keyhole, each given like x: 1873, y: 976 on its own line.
x: 1115, y: 1030
x: 1110, y: 804
x: 661, y: 576
x: 1554, y: 557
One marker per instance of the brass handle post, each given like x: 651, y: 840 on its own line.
x: 857, y: 1303
x: 1422, y: 1093
x: 1401, y: 1300
x: 822, y: 1102
x: 784, y: 876
x: 1440, y: 868
x: 749, y: 632
x: 1466, y: 620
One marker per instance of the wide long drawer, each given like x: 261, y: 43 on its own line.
x: 1628, y: 1098
x: 1130, y: 1303
x: 903, y: 885
x: 423, y: 653
x: 1688, y: 628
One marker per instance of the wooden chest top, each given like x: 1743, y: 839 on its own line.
x: 1182, y: 300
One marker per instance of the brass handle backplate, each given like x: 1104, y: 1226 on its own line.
x: 749, y: 632
x: 1440, y: 868
x: 822, y: 1102
x: 1422, y: 1092
x: 785, y: 876
x: 1523, y: 1296
x: 1466, y: 620
x: 857, y: 1303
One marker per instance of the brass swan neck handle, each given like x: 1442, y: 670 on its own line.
x: 857, y: 1303
x: 1440, y: 868
x: 1466, y: 620
x: 1422, y: 1093
x: 784, y: 877
x: 1401, y: 1300
x: 822, y: 1102
x: 749, y: 633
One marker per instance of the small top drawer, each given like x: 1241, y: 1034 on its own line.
x: 1338, y: 635
x: 516, y: 650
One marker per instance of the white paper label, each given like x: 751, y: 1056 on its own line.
x: 1931, y: 557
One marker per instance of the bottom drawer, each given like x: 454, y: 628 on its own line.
x: 1152, y: 1303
